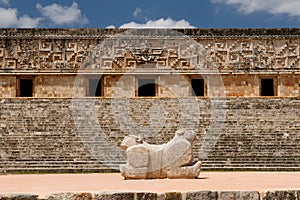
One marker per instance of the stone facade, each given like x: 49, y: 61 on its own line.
x: 49, y: 86
x: 59, y: 126
x: 242, y: 58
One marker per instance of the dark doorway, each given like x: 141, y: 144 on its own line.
x: 197, y: 87
x: 267, y: 87
x: 95, y: 88
x: 26, y: 87
x: 146, y: 88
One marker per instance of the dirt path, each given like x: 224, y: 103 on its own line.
x: 53, y: 183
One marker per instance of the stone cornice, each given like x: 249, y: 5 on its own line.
x: 105, y: 33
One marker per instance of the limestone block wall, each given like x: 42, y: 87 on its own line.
x: 59, y: 86
x: 288, y: 85
x: 241, y: 85
x: 84, y: 134
x: 168, y: 86
x: 174, y: 86
x: 8, y: 86
x: 119, y: 86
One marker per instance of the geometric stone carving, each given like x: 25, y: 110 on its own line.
x: 11, y: 64
x: 170, y: 160
x: 54, y: 50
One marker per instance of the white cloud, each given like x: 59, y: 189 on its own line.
x: 5, y: 2
x: 160, y: 23
x: 136, y: 12
x: 27, y: 22
x: 9, y: 18
x: 290, y: 7
x: 110, y: 26
x: 60, y: 15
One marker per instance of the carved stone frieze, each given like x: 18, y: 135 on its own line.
x: 99, y: 49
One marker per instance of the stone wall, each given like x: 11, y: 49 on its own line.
x: 58, y: 86
x: 119, y: 86
x: 84, y: 134
x: 193, y: 195
x: 231, y: 85
x: 288, y: 85
x: 8, y: 87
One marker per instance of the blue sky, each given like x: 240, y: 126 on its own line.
x: 149, y: 13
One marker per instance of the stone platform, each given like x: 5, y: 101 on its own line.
x: 209, y: 185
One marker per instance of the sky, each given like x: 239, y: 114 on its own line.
x: 150, y: 14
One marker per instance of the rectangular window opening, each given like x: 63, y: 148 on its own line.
x: 146, y: 88
x: 26, y: 88
x: 267, y: 87
x: 198, y: 87
x: 95, y: 88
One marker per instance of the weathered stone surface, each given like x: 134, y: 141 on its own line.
x: 69, y: 196
x: 146, y: 196
x: 170, y: 196
x: 83, y: 196
x: 19, y: 197
x: 239, y: 195
x: 280, y: 195
x: 114, y: 196
x: 193, y: 195
x: 60, y: 196
x: 251, y: 195
x: 203, y: 195
x: 170, y: 160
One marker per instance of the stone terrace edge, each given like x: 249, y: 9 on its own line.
x: 115, y: 195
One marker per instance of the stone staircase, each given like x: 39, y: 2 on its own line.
x: 253, y: 163
x: 50, y: 166
x: 39, y: 135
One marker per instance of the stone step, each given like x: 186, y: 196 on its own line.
x: 59, y: 170
x: 251, y: 168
